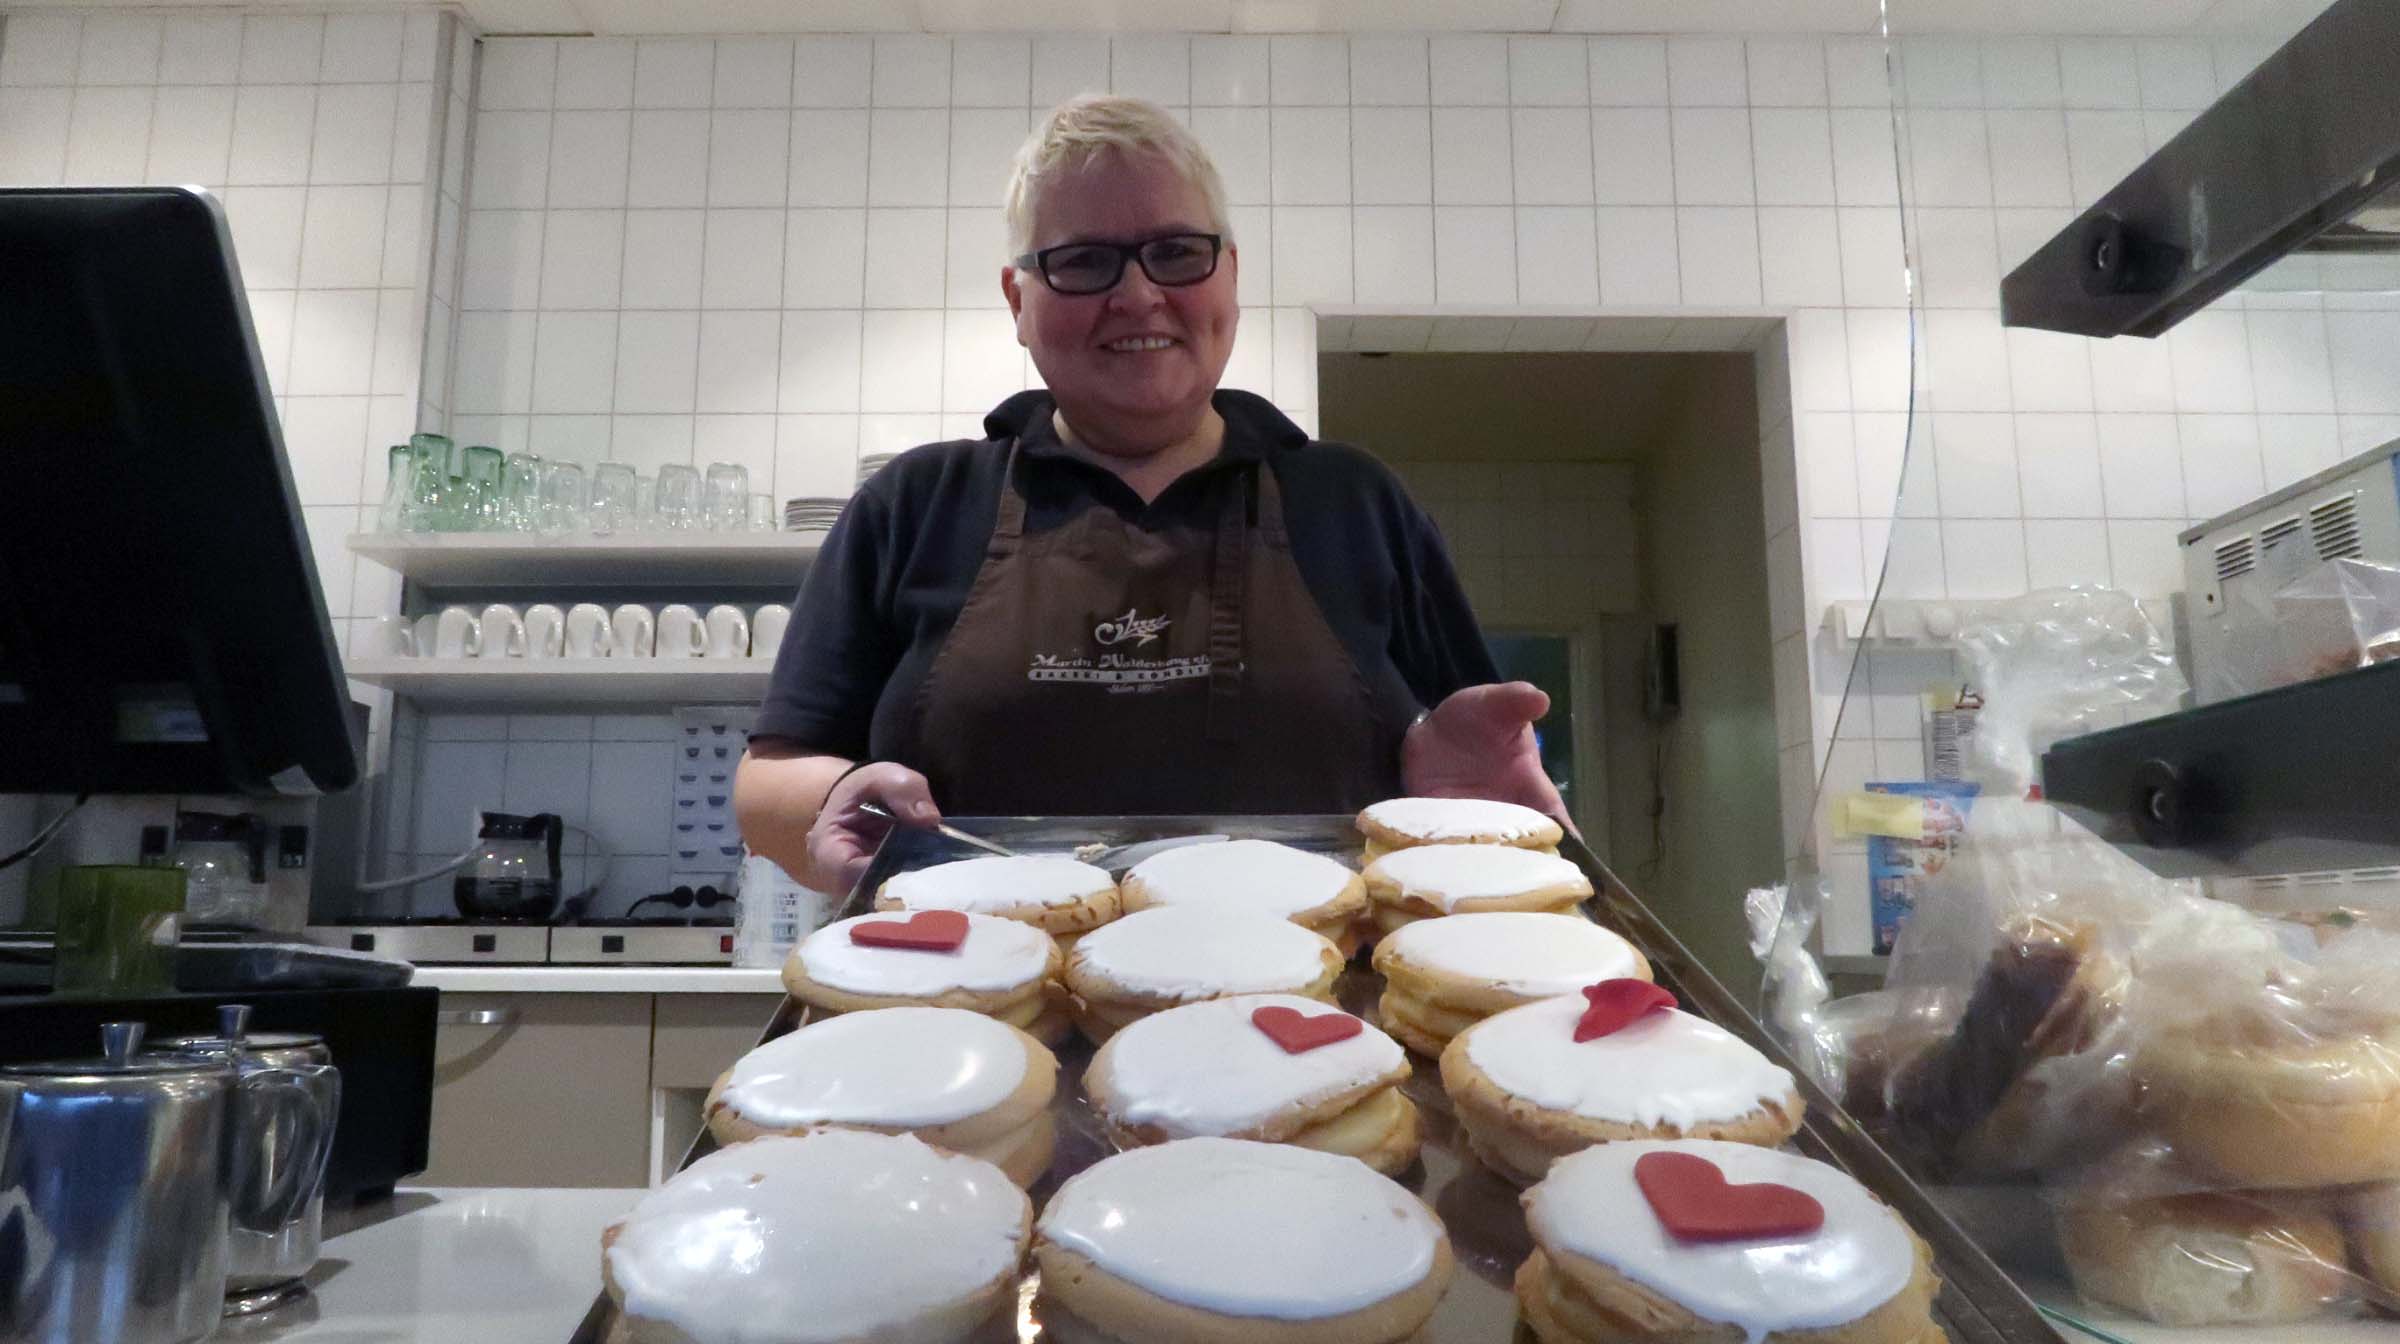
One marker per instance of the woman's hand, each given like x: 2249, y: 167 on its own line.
x: 1478, y: 743
x: 843, y: 839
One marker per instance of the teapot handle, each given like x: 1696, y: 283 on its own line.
x: 296, y: 1174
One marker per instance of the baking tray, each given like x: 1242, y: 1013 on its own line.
x: 1978, y: 1303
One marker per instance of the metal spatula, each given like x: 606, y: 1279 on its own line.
x: 878, y: 810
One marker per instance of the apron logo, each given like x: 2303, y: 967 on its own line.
x: 1141, y: 630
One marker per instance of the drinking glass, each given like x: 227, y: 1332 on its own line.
x: 645, y: 504
x: 762, y: 514
x: 725, y: 497
x: 429, y: 475
x: 117, y: 929
x: 399, y: 475
x: 613, y: 497
x: 678, y: 498
x: 565, y: 501
x: 481, y: 511
x: 521, y: 493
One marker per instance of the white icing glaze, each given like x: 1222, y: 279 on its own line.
x: 1188, y: 951
x: 1523, y: 952
x: 1277, y: 879
x: 1435, y: 819
x: 994, y: 882
x: 1855, y: 1263
x: 1444, y: 875
x: 1668, y: 1068
x: 836, y: 1235
x: 890, y: 1066
x: 1205, y: 1068
x: 997, y: 954
x: 1247, y: 1229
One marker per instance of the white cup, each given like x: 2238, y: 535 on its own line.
x: 766, y: 629
x: 422, y: 633
x: 502, y: 631
x: 455, y: 634
x: 681, y: 632
x: 587, y: 633
x: 634, y: 627
x: 388, y: 637
x: 545, y: 631
x: 728, y: 632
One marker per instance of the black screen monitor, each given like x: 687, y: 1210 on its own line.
x: 161, y: 627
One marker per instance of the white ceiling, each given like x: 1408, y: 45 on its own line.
x: 2268, y: 17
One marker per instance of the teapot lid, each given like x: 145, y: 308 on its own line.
x: 121, y: 1056
x: 234, y: 1035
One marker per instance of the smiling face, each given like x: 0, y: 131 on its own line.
x: 1131, y: 367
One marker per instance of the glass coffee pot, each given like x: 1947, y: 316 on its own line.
x: 514, y: 872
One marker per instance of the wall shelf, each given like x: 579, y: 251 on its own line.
x: 465, y: 683
x: 488, y: 559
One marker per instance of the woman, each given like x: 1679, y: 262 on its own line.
x: 1138, y: 593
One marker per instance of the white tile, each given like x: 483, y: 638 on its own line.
x: 1385, y: 71
x: 748, y: 152
x: 1800, y: 257
x: 1309, y: 156
x: 1794, y: 153
x: 2295, y: 447
x: 2290, y: 360
x: 1474, y: 254
x: 1882, y: 456
x: 816, y: 455
x: 281, y: 49
x: 832, y: 71
x: 1836, y: 568
x: 271, y: 131
x: 1470, y: 70
x: 2029, y: 159
x: 909, y: 159
x: 1706, y: 72
x: 548, y: 777
x: 361, y: 49
x: 1312, y: 255
x: 820, y: 353
x: 1391, y: 156
x: 2223, y: 468
x: 2059, y: 552
x: 40, y: 49
x: 895, y: 374
x: 1251, y: 253
x: 2141, y: 466
x: 1913, y: 564
x: 2131, y: 374
x: 353, y: 141
x: 574, y: 362
x: 1470, y: 156
x: 1878, y: 364
x: 588, y: 156
x: 1628, y: 72
x: 412, y: 134
x: 333, y: 342
x: 983, y: 148
x: 1718, y: 247
x: 421, y: 39
x: 662, y: 259
x: 896, y: 433
x: 2021, y: 72
x: 739, y: 361
x: 990, y: 70
x: 1958, y: 258
x: 119, y: 48
x: 1968, y: 358
x: 512, y: 156
x: 668, y: 164
x: 673, y: 72
x: 977, y: 248
x: 518, y: 73
x: 1786, y: 72
x: 1306, y: 70
x: 824, y: 258
x: 1552, y: 155
x: 742, y: 264
x: 657, y: 356
x: 196, y: 48
x: 595, y: 73
x: 399, y: 342
x: 1874, y: 266
x: 341, y: 245
x: 1865, y: 171
x: 1557, y: 255
x: 2366, y: 379
x: 1633, y: 155
x: 829, y: 158
x: 473, y: 778
x: 1229, y: 71
x: 1941, y: 72
x: 583, y: 255
x: 271, y: 319
x: 495, y: 363
x: 1236, y: 140
x: 323, y: 439
x: 1827, y: 464
x: 2049, y: 371
x: 1819, y: 344
x: 1638, y: 261
x: 754, y: 72
x: 1067, y: 64
x: 632, y: 792
x: 1712, y: 157
x: 2211, y: 355
x: 1548, y: 71
x: 2176, y: 72
x: 1392, y: 251
x: 108, y: 140
x: 1984, y: 559
x: 190, y: 135
x: 2099, y: 72
x: 648, y: 441
x: 502, y: 266
x: 912, y: 71
x: 1975, y: 462
x: 1153, y: 67
x: 981, y: 362
x: 2144, y: 558
x: 1949, y: 157
x: 2102, y: 147
x: 905, y: 254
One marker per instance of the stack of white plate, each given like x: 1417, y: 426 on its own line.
x: 872, y: 463
x: 811, y: 514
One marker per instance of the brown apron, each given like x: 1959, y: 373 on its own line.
x: 1099, y: 668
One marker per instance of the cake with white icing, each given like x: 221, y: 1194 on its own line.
x: 1212, y: 1069
x: 835, y: 1236
x: 1321, y: 894
x: 1429, y: 881
x: 1528, y: 1092
x: 1609, y: 1266
x: 1173, y: 954
x: 1442, y: 976
x: 956, y: 1079
x: 1056, y: 894
x: 1223, y: 1240
x: 1000, y: 968
x: 1404, y: 823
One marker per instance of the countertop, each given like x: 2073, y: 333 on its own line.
x: 600, y: 979
x: 440, y: 1266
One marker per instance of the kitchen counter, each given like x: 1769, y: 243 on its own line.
x: 600, y: 979
x: 443, y: 1266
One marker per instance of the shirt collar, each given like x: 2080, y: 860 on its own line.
x: 1253, y: 427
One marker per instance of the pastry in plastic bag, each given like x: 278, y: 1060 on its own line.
x: 2211, y: 1258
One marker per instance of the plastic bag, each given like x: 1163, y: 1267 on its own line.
x: 2055, y: 663
x: 2335, y: 616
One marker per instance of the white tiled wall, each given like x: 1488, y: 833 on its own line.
x: 1540, y: 544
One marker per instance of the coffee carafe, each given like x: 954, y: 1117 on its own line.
x: 514, y: 873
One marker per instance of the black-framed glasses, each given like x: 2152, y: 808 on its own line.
x: 1171, y: 260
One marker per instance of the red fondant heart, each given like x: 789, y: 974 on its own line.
x: 1298, y: 1034
x: 924, y: 931
x: 1694, y: 1202
x: 1615, y: 1005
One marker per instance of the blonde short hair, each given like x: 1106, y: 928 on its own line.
x: 1089, y: 125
